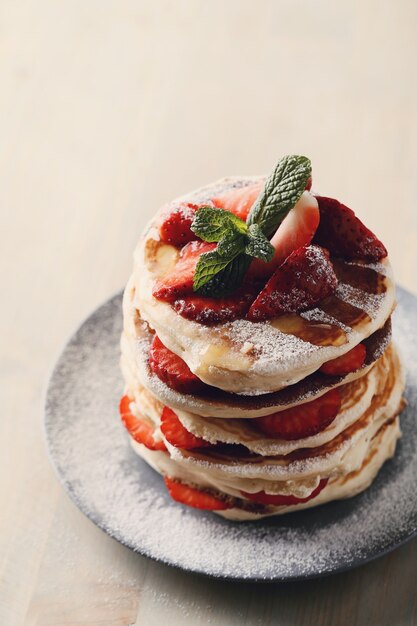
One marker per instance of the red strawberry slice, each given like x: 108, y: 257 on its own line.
x: 239, y: 201
x: 349, y: 362
x: 179, y: 282
x: 177, y: 435
x: 175, y: 228
x: 139, y: 428
x: 172, y: 370
x: 279, y: 500
x: 194, y: 497
x: 304, y: 420
x: 216, y: 310
x: 305, y: 278
x: 309, y: 183
x: 344, y: 235
x: 296, y: 230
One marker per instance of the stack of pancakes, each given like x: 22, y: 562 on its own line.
x: 253, y: 369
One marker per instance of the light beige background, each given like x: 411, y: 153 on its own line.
x: 108, y: 108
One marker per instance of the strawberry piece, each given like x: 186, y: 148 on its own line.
x: 344, y: 235
x: 305, y: 278
x: 194, y: 497
x: 239, y: 201
x: 309, y: 183
x: 208, y: 311
x: 280, y: 500
x: 349, y: 362
x: 175, y: 228
x: 304, y: 420
x: 296, y: 230
x: 139, y: 428
x: 171, y: 369
x: 179, y: 282
x: 177, y: 435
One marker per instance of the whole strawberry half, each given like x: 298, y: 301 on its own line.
x: 305, y: 278
x: 191, y: 496
x: 171, y: 369
x: 177, y: 435
x: 175, y: 227
x: 179, y: 282
x: 304, y: 420
x: 280, y: 500
x: 296, y: 230
x: 139, y: 428
x: 344, y: 235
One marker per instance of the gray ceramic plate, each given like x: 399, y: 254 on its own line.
x: 122, y: 495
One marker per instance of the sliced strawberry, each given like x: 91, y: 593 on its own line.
x: 175, y: 228
x: 216, y: 310
x: 309, y: 183
x: 280, y: 500
x: 349, y: 362
x: 179, y: 282
x: 177, y: 435
x: 239, y: 201
x: 139, y: 428
x: 344, y: 235
x: 171, y: 369
x: 194, y: 497
x: 304, y: 420
x: 305, y: 278
x: 296, y: 230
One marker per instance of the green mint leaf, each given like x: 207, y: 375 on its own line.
x: 282, y: 191
x: 228, y: 279
x: 258, y: 245
x: 211, y: 224
x: 209, y: 264
x: 230, y: 245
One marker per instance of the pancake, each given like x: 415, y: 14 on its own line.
x: 356, y: 399
x: 381, y: 448
x: 250, y: 358
x: 212, y: 402
x: 343, y: 453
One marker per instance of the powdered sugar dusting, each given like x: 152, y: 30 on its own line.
x: 371, y: 305
x: 271, y: 345
x: 127, y: 499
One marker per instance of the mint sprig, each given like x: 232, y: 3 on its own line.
x: 222, y: 270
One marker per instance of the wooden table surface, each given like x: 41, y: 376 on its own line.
x: 107, y: 110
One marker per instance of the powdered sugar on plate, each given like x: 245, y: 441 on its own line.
x: 127, y: 499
